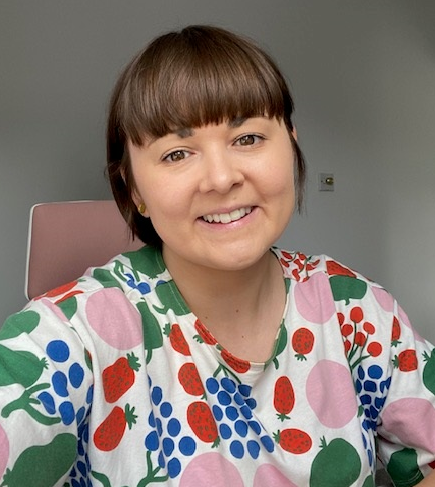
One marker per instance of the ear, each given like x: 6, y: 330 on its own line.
x: 295, y: 133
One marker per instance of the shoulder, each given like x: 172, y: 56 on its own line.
x: 346, y: 284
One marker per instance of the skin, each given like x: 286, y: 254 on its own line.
x: 429, y: 481
x: 222, y: 268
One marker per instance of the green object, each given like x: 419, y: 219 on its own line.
x: 68, y: 307
x: 106, y: 278
x: 20, y: 367
x: 170, y: 299
x: 429, y: 371
x: 369, y: 482
x: 147, y: 261
x: 43, y: 466
x: 153, y: 336
x: 15, y: 325
x: 403, y: 466
x: 337, y: 464
x: 347, y: 288
x: 280, y: 346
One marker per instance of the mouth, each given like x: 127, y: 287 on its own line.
x: 227, y: 217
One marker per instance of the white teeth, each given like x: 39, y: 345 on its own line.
x: 227, y: 217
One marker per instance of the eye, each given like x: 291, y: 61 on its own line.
x: 249, y: 139
x: 176, y: 156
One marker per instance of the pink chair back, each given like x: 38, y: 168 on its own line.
x: 66, y: 238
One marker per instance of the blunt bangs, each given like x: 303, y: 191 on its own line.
x: 190, y: 79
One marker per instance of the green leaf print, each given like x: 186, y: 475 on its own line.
x: 20, y: 367
x: 337, y: 464
x: 153, y: 336
x: 347, y: 288
x: 169, y: 297
x: 15, y: 325
x: 429, y: 371
x: 403, y: 466
x: 43, y: 466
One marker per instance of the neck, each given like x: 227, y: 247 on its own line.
x: 233, y: 304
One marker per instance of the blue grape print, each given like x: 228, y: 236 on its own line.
x: 164, y: 440
x: 233, y: 412
x: 372, y: 394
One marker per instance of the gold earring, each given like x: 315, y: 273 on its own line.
x: 142, y: 208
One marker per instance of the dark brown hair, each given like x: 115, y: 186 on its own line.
x: 198, y: 76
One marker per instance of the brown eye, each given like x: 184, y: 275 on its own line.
x: 247, y: 140
x: 176, y: 156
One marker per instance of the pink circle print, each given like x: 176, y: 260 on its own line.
x: 314, y: 299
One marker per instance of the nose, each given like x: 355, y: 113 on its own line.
x: 220, y: 171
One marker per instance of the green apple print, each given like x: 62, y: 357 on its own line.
x: 429, y: 371
x: 347, y: 288
x: 170, y: 299
x: 153, y: 336
x: 324, y: 469
x: 403, y: 465
x: 44, y: 465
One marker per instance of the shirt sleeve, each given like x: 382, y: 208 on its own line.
x: 406, y: 423
x: 46, y: 387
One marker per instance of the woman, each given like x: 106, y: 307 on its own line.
x: 209, y: 357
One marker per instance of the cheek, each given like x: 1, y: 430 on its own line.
x: 280, y: 179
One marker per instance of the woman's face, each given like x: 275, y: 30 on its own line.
x: 220, y: 195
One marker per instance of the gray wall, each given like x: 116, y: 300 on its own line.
x: 363, y: 76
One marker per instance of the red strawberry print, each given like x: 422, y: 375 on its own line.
x: 202, y: 423
x: 293, y: 440
x: 204, y: 336
x: 406, y: 361
x: 177, y: 339
x: 119, y: 377
x: 283, y: 397
x: 334, y: 268
x: 302, y: 342
x: 110, y: 432
x: 238, y: 365
x: 188, y: 377
x: 395, y: 333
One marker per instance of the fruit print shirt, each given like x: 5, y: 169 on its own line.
x: 111, y: 381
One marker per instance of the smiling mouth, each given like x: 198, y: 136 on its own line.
x: 228, y: 217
